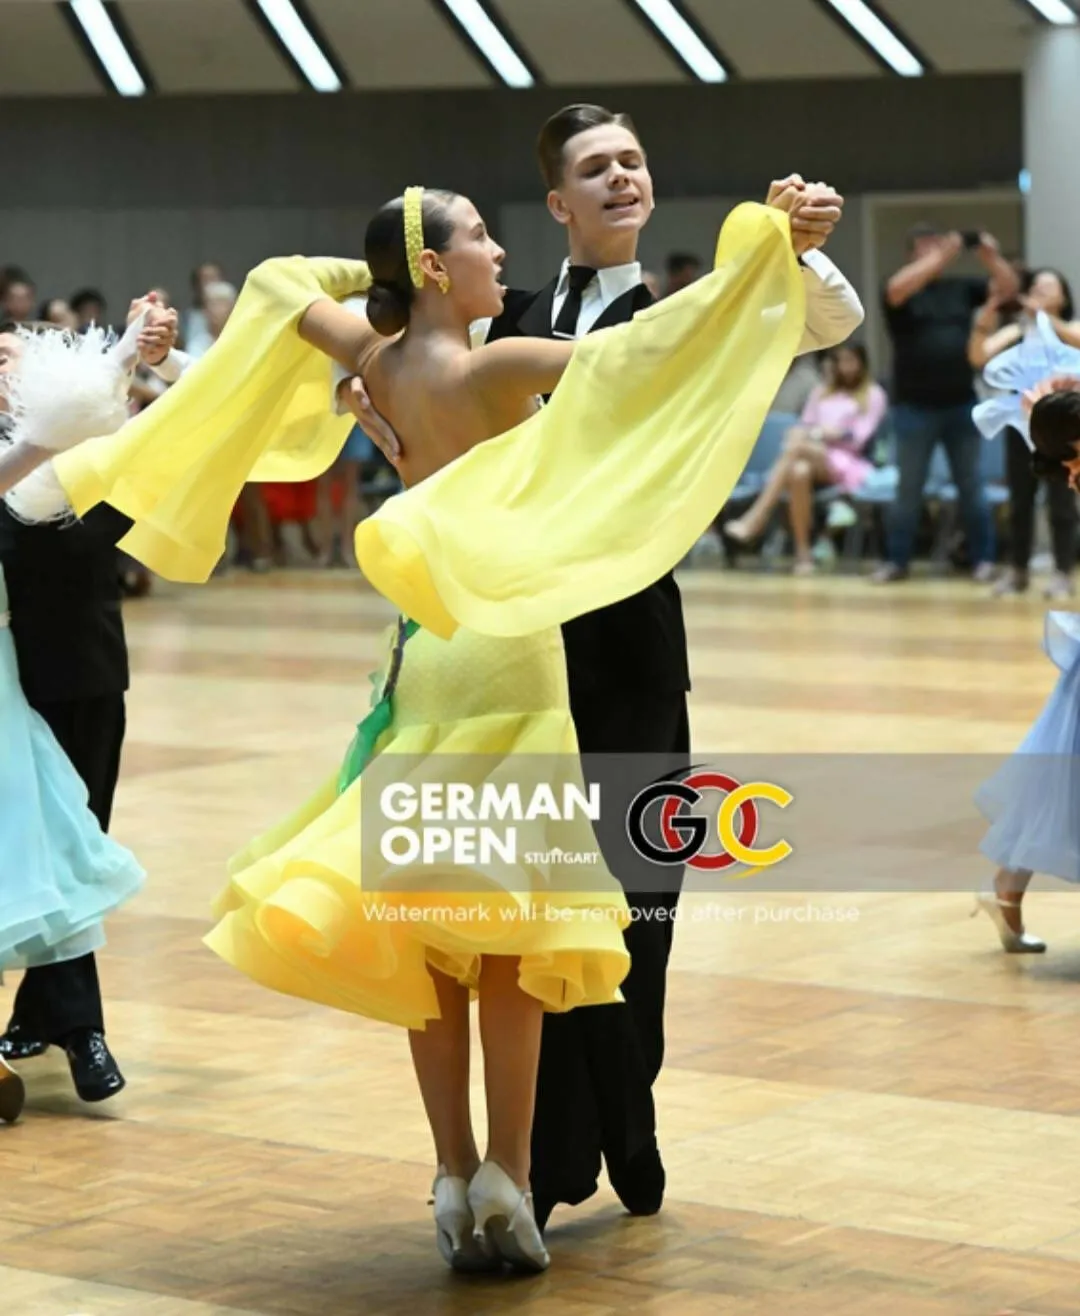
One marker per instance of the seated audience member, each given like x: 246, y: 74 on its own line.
x: 827, y: 447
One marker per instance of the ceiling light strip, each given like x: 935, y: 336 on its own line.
x: 478, y: 23
x: 675, y: 26
x: 116, y: 61
x: 1054, y: 11
x: 882, y: 39
x: 295, y: 32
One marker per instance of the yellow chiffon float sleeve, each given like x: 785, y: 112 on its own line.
x: 610, y: 485
x: 256, y: 407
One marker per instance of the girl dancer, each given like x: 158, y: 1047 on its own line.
x: 652, y: 424
x: 1031, y: 801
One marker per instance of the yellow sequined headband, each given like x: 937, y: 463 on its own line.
x: 414, y: 233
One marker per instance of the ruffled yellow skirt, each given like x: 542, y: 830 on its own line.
x: 314, y: 910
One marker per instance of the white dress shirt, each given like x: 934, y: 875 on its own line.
x: 607, y: 287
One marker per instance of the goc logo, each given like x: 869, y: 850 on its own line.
x: 684, y: 834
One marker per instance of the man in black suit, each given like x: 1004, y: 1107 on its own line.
x: 628, y: 671
x: 627, y: 664
x: 64, y: 592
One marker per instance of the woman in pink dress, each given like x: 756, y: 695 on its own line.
x: 825, y: 448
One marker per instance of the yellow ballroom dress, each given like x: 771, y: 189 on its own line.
x: 585, y: 503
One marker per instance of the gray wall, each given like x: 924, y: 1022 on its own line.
x: 125, y: 194
x: 1052, y: 107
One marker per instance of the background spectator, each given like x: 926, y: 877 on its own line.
x: 55, y: 310
x: 255, y: 529
x: 929, y: 321
x: 18, y: 297
x: 218, y: 302
x: 683, y: 269
x: 195, y: 332
x: 89, y: 307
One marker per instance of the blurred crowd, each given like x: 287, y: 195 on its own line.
x: 273, y: 525
x: 894, y: 468
x: 847, y: 467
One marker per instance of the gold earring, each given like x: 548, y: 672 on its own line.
x: 444, y: 283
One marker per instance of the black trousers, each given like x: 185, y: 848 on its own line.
x: 1023, y: 486
x: 598, y: 1063
x: 55, y: 999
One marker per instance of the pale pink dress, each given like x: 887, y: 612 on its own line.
x: 857, y: 421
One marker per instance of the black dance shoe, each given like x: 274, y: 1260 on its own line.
x: 640, y: 1183
x: 18, y: 1044
x: 95, y: 1073
x: 12, y: 1094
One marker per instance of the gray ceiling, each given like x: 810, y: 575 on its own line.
x: 219, y: 46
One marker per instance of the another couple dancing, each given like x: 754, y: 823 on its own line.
x: 574, y: 516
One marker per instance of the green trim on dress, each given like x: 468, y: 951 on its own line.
x: 381, y: 717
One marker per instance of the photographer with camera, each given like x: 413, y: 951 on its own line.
x: 929, y: 320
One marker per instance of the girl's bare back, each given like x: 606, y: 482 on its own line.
x: 428, y: 391
x: 440, y: 396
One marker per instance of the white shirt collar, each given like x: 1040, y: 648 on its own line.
x: 614, y: 281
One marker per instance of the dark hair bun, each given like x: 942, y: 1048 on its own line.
x: 1047, y: 468
x: 387, y: 309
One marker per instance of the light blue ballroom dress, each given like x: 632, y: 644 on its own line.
x: 1033, y: 801
x: 60, y: 875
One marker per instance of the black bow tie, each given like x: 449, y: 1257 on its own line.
x: 579, y: 277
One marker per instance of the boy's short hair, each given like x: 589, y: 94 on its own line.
x: 567, y: 124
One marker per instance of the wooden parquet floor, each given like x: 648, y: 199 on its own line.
x: 869, y: 1118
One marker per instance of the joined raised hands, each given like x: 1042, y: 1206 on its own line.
x: 815, y: 209
x: 159, y: 333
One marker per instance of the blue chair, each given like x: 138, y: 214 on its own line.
x: 763, y: 458
x: 875, y: 492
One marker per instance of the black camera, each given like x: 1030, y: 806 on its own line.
x: 972, y: 239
